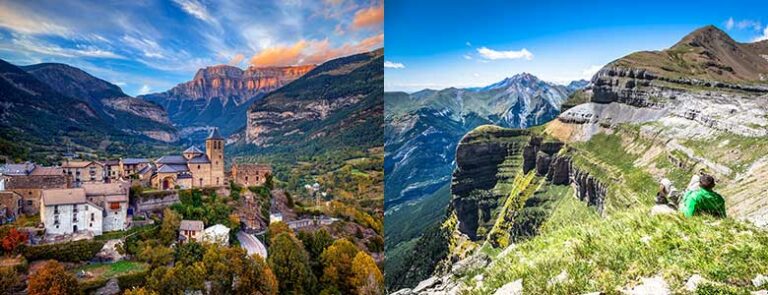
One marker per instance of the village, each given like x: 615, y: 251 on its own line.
x: 81, y: 199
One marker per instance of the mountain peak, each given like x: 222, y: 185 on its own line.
x: 708, y: 36
x: 521, y: 78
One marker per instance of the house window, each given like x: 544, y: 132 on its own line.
x: 246, y: 178
x: 29, y: 202
x: 198, y: 167
x: 92, y: 217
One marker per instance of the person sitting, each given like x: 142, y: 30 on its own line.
x: 703, y: 200
x: 668, y: 194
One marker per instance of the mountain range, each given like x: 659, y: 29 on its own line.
x: 335, y: 106
x: 219, y: 96
x: 700, y: 105
x: 48, y: 109
x: 423, y: 128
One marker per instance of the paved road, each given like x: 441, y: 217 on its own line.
x: 251, y: 244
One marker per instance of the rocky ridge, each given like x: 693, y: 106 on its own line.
x: 219, y: 96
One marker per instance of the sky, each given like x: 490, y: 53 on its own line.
x: 447, y: 43
x: 147, y: 46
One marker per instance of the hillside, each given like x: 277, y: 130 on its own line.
x: 641, y: 120
x: 70, y: 123
x: 111, y: 104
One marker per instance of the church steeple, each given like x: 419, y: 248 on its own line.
x: 214, y: 149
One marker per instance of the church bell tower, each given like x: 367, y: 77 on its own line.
x: 214, y: 149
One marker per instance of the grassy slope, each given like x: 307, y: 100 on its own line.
x: 604, y: 254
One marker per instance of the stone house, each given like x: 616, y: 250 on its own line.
x: 10, y: 206
x: 85, y: 171
x: 113, y: 199
x: 30, y: 183
x: 131, y: 166
x: 250, y: 174
x: 113, y: 169
x: 190, y: 230
x: 66, y: 211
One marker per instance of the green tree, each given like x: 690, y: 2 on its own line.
x: 255, y: 277
x: 290, y: 264
x: 170, y: 227
x: 315, y: 243
x: 139, y: 291
x: 52, y: 279
x: 366, y: 276
x: 189, y: 253
x: 154, y: 253
x: 337, y: 266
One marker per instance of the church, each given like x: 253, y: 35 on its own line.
x: 193, y: 168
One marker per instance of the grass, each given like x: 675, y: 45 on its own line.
x: 735, y: 151
x: 121, y: 234
x: 615, y: 252
x: 111, y: 270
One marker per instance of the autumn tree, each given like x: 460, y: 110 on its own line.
x: 275, y: 229
x: 255, y: 277
x: 154, y: 253
x: 178, y: 279
x: 52, y: 279
x: 140, y: 291
x: 9, y: 280
x: 170, y: 227
x: 290, y: 264
x: 13, y: 240
x: 222, y: 264
x: 366, y: 276
x: 337, y: 266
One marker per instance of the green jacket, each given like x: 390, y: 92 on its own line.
x: 703, y: 201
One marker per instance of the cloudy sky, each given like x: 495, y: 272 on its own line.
x: 448, y: 43
x: 151, y: 45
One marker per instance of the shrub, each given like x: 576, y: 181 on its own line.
x: 131, y: 280
x: 68, y: 252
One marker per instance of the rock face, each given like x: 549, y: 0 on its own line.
x: 337, y: 103
x: 107, y: 101
x: 424, y: 127
x: 219, y: 96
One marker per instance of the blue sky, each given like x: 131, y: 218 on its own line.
x: 439, y: 44
x: 150, y: 46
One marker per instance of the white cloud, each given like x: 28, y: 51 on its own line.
x: 762, y: 37
x: 393, y: 65
x: 195, y: 9
x: 468, y: 44
x: 467, y: 57
x: 144, y: 89
x: 509, y: 54
x: 121, y: 84
x: 476, y: 75
x: 32, y: 44
x: 743, y: 24
x: 590, y: 71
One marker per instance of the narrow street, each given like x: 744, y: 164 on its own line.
x: 251, y: 244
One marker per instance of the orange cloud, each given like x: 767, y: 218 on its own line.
x: 279, y: 56
x: 313, y: 52
x: 367, y: 17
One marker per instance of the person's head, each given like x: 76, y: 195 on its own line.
x: 707, y: 181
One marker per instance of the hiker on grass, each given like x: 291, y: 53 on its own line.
x: 703, y: 200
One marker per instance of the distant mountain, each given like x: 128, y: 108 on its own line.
x: 219, y: 96
x: 424, y: 127
x: 107, y: 100
x: 39, y: 123
x: 337, y: 105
